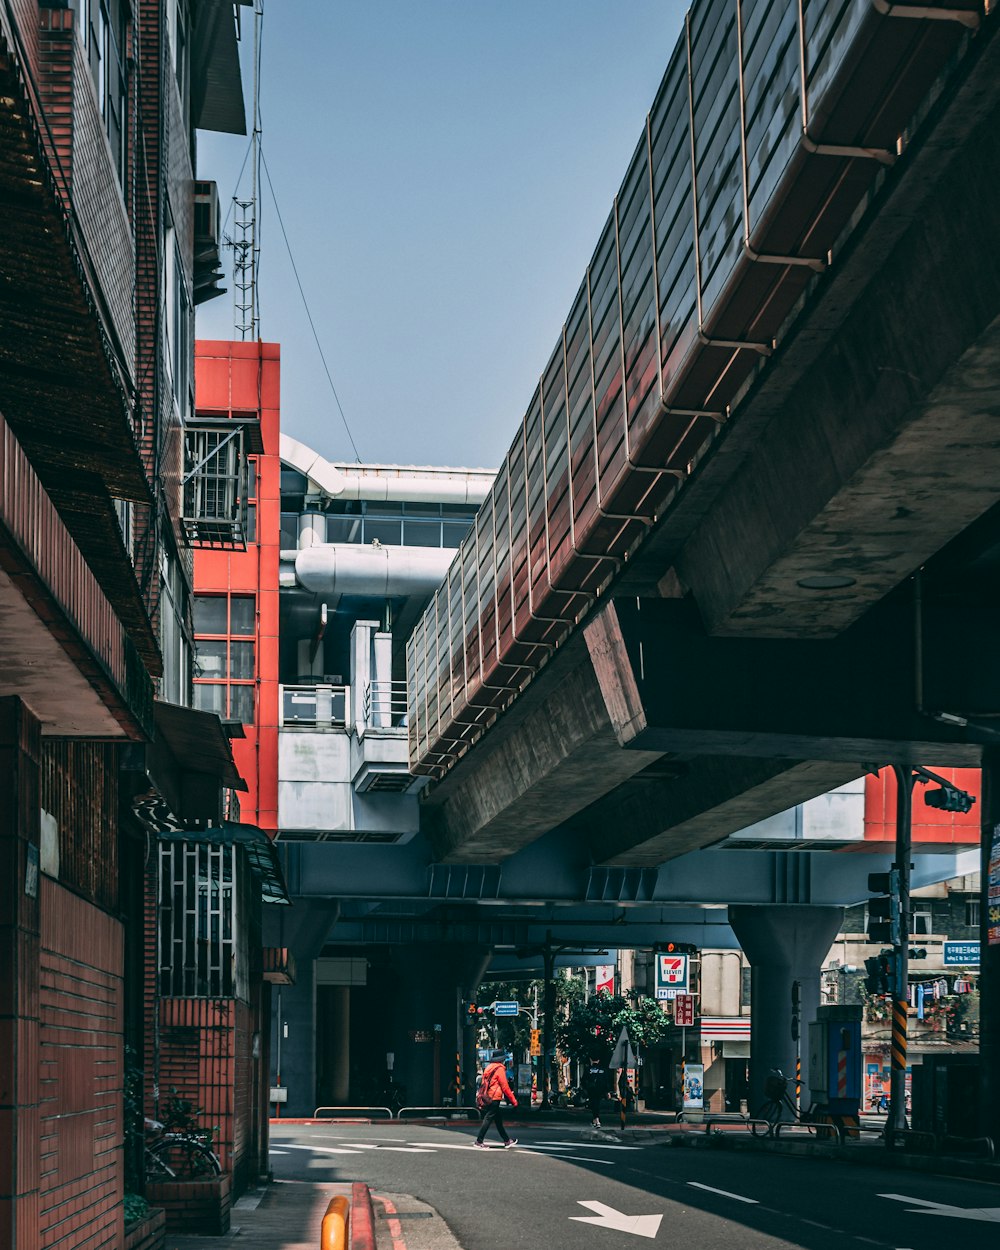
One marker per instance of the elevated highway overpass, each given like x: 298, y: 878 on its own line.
x: 777, y: 573
x: 744, y: 547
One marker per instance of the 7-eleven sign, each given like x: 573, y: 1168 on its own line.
x: 671, y: 975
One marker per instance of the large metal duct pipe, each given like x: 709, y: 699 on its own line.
x: 387, y: 483
x: 375, y: 572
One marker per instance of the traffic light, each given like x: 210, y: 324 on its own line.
x: 917, y: 952
x: 949, y: 799
x: 473, y: 1013
x: 879, y: 970
x: 883, y: 912
x: 676, y: 948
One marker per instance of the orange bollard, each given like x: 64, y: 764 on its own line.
x: 333, y: 1232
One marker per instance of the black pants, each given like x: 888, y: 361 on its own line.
x: 491, y: 1115
x: 594, y: 1103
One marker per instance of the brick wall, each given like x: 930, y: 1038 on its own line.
x: 147, y: 1234
x: 20, y: 748
x: 148, y: 221
x: 205, y: 1047
x: 56, y: 42
x: 194, y: 1206
x: 80, y: 1072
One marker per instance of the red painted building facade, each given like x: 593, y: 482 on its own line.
x: 236, y: 591
x: 932, y: 829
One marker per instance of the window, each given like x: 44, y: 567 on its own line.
x: 197, y: 948
x: 384, y: 530
x: 103, y: 30
x: 174, y: 641
x: 972, y: 913
x: 921, y: 919
x: 225, y: 629
x: 251, y: 492
x: 178, y: 328
x: 289, y: 539
x: 422, y: 533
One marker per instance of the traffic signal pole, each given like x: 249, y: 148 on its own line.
x: 897, y: 1077
x: 548, y: 1038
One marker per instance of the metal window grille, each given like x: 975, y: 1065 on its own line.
x: 197, y: 947
x: 216, y: 481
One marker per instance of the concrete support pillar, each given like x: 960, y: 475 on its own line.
x: 989, y: 951
x: 341, y: 1044
x: 784, y: 944
x: 303, y: 930
x: 426, y: 1031
x: 20, y: 1117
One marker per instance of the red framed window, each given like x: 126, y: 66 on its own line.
x: 225, y: 628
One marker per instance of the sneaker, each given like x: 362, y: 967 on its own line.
x: 480, y: 1145
x: 511, y: 1141
x: 597, y: 1124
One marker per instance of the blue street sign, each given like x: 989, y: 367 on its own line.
x: 505, y: 1009
x: 961, y: 954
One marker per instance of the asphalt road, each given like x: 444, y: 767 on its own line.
x: 559, y: 1188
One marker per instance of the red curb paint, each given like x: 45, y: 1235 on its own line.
x: 395, y: 1228
x: 362, y: 1217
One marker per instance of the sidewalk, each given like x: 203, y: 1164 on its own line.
x: 285, y: 1216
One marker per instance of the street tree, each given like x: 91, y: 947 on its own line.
x: 514, y: 1032
x: 592, y: 1028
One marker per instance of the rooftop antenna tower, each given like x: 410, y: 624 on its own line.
x: 245, y: 244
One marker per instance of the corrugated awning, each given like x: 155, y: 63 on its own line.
x: 260, y: 851
x: 216, y: 83
x: 198, y: 742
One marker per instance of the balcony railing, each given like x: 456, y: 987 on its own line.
x: 314, y: 707
x: 385, y: 705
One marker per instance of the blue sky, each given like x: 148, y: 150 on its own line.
x: 442, y: 170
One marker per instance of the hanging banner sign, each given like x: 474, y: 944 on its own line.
x: 604, y: 978
x: 671, y: 976
x: 993, y: 891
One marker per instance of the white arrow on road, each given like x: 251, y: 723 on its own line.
x: 608, y: 1217
x: 921, y: 1206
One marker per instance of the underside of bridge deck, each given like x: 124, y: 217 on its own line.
x: 863, y: 452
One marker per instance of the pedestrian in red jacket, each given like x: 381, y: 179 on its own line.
x: 493, y: 1087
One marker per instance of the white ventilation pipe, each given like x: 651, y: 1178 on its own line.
x: 334, y: 569
x: 398, y: 484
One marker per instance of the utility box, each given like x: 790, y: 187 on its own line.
x: 835, y: 1058
x: 946, y: 1095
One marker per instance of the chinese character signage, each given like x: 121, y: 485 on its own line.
x: 671, y: 976
x: 961, y: 954
x: 684, y: 1011
x: 993, y: 891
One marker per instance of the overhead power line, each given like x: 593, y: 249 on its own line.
x: 305, y: 304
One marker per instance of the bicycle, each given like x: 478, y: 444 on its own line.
x: 777, y: 1102
x: 172, y: 1155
